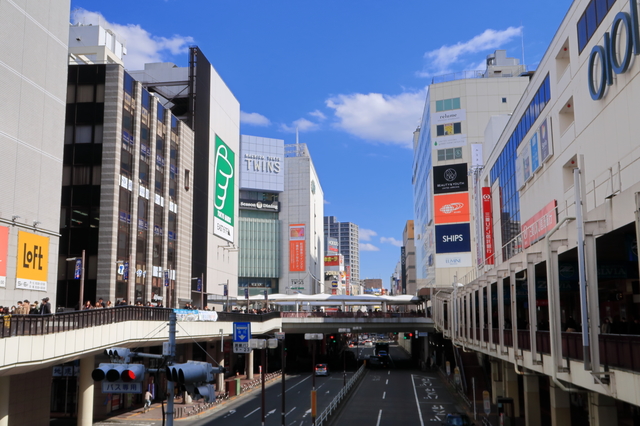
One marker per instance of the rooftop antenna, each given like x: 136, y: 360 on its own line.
x: 522, y: 40
x: 297, y: 141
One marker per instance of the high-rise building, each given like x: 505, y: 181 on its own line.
x: 448, y: 154
x: 302, y: 203
x: 149, y: 190
x: 262, y: 180
x: 408, y: 260
x: 33, y: 69
x: 348, y: 245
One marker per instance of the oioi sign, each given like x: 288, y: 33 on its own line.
x: 605, y: 60
x: 224, y: 197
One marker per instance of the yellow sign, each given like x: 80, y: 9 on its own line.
x: 33, y: 261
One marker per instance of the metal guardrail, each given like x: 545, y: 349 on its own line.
x: 36, y: 325
x: 333, y: 405
x: 358, y: 314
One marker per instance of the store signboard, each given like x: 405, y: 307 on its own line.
x: 451, y: 178
x: 451, y: 208
x: 297, y: 248
x: 539, y: 224
x: 453, y: 238
x: 224, y: 193
x: 487, y: 225
x: 33, y: 261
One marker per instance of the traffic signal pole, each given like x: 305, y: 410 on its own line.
x: 169, y: 359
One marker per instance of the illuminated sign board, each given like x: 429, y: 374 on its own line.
x: 224, y: 196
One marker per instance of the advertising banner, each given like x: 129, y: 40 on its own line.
x: 487, y: 224
x: 332, y: 245
x: 453, y: 238
x: 451, y: 208
x: 334, y: 263
x: 451, y: 178
x: 224, y: 199
x: 452, y: 141
x: 4, y: 254
x: 273, y: 206
x: 541, y: 223
x: 297, y: 248
x: 261, y: 164
x: 546, y: 147
x: 453, y: 260
x: 450, y: 116
x: 33, y: 261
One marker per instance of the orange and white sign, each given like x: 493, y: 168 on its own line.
x: 297, y: 248
x: 33, y: 261
x: 4, y: 254
x: 451, y: 208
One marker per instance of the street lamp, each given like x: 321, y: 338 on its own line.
x: 226, y: 294
x: 263, y: 344
x: 79, y: 273
x: 313, y: 337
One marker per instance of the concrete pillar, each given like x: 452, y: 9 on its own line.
x: 560, y: 406
x: 496, y: 380
x: 531, y: 400
x: 249, y: 366
x: 4, y: 400
x: 85, y: 391
x: 602, y: 410
x: 511, y: 387
x: 219, y: 355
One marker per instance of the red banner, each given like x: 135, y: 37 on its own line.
x: 487, y: 219
x: 541, y: 223
x: 451, y: 208
x: 297, y: 248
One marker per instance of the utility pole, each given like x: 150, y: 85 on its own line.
x: 170, y: 353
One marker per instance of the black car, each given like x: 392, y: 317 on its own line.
x: 457, y: 419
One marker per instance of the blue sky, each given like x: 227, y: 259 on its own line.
x: 351, y: 75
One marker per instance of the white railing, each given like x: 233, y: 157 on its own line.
x: 333, y: 406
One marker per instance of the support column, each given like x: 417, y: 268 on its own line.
x: 85, y: 391
x: 511, y: 387
x: 474, y: 317
x: 490, y: 316
x: 482, y: 291
x: 4, y: 400
x: 560, y: 406
x: 501, y: 314
x: 602, y: 410
x: 531, y: 400
x: 249, y: 366
x: 496, y: 380
x: 533, y: 314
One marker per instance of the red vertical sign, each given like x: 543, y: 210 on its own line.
x: 297, y: 248
x: 487, y: 219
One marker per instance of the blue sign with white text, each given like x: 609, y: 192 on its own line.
x: 241, y: 332
x: 453, y: 238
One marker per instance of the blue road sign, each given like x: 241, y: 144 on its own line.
x: 78, y: 270
x: 241, y: 332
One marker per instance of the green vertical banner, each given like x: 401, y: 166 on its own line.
x: 224, y: 201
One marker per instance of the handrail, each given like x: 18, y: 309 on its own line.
x: 333, y: 405
x: 37, y: 325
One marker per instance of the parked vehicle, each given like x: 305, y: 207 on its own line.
x: 457, y: 419
x: 321, y: 370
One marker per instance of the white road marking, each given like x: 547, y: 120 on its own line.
x: 379, y: 417
x: 387, y: 382
x: 251, y: 412
x: 290, y: 411
x: 384, y: 394
x: 415, y: 392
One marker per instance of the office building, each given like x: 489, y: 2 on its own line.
x: 33, y: 69
x: 302, y: 203
x: 448, y: 153
x: 349, y: 246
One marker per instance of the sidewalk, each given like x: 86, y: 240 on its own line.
x: 182, y: 410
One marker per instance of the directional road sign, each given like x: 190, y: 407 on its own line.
x: 241, y: 332
x: 241, y: 348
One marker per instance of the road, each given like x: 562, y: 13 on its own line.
x: 247, y: 411
x: 392, y: 397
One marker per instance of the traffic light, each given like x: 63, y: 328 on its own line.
x: 408, y: 336
x: 118, y: 354
x: 194, y: 377
x: 119, y: 372
x: 332, y: 338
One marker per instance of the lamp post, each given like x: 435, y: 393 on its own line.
x: 263, y: 344
x: 226, y: 294
x: 313, y: 337
x: 280, y: 336
x: 79, y: 273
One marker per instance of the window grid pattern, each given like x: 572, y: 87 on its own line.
x: 591, y: 19
x: 504, y: 170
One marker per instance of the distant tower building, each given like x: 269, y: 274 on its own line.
x: 409, y: 247
x: 348, y: 243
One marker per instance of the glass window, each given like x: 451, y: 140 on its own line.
x: 455, y: 103
x: 85, y: 93
x: 601, y: 10
x: 83, y: 134
x: 591, y: 18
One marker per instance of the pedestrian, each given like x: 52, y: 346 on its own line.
x: 147, y: 401
x: 101, y: 302
x: 45, y: 306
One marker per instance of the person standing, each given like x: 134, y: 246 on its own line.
x: 45, y: 307
x: 147, y: 401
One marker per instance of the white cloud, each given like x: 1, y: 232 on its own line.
x: 302, y: 124
x: 326, y: 202
x: 366, y: 234
x: 391, y: 241
x: 254, y: 119
x: 142, y: 47
x: 376, y: 117
x: 318, y: 114
x: 368, y: 247
x: 440, y: 60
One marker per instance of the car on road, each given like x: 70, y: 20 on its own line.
x: 321, y: 370
x: 383, y: 354
x: 377, y: 362
x: 457, y: 419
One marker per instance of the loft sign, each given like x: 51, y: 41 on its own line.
x: 614, y: 56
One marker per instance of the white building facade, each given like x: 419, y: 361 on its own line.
x: 561, y: 189
x: 302, y: 203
